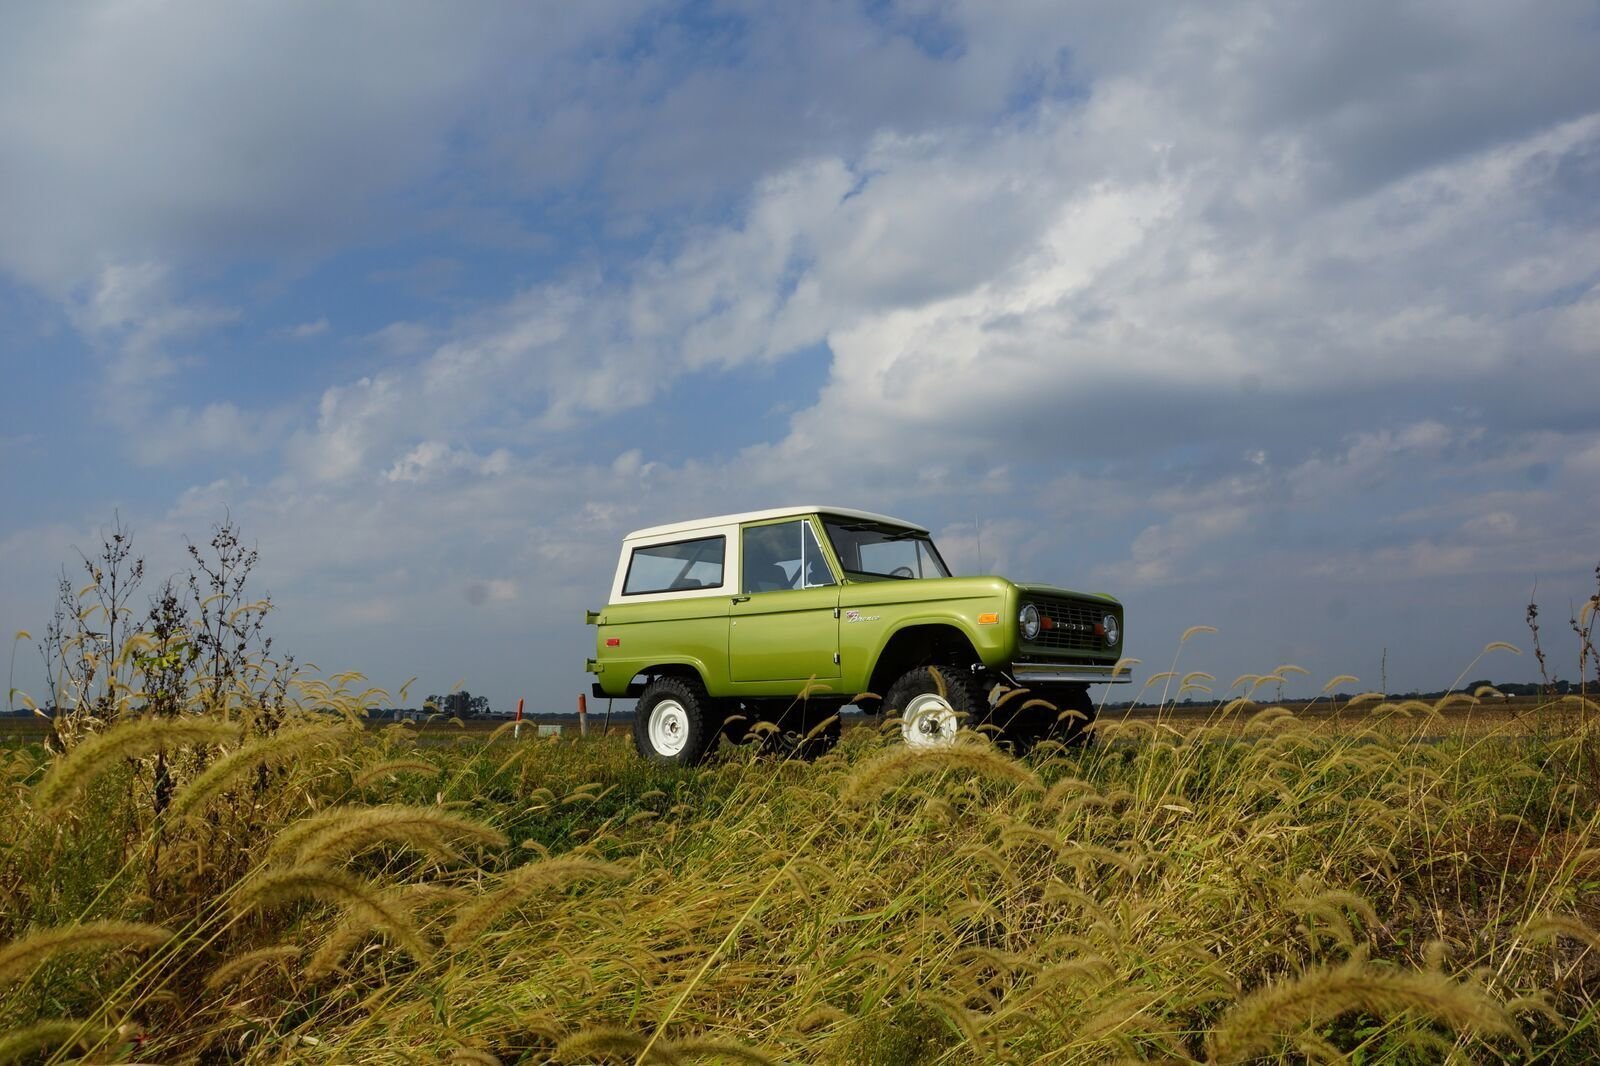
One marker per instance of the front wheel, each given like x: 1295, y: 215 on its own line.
x: 1061, y: 714
x: 672, y: 724
x: 931, y: 702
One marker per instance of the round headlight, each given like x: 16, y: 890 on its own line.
x: 1113, y: 631
x: 1030, y: 622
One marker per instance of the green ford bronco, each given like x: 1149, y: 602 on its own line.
x: 788, y: 615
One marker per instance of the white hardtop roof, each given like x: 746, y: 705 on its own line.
x: 771, y: 512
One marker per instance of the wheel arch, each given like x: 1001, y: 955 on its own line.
x: 686, y: 670
x: 689, y: 671
x: 916, y: 644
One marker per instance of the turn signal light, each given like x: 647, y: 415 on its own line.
x: 988, y: 618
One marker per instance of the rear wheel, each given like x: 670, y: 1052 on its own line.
x: 933, y: 702
x: 673, y: 722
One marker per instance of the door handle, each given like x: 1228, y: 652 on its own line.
x: 740, y: 599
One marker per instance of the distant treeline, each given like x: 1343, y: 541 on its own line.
x: 465, y: 705
x: 1507, y: 691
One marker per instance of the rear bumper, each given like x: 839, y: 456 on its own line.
x: 1072, y: 673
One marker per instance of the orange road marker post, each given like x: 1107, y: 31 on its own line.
x: 516, y: 730
x: 583, y: 716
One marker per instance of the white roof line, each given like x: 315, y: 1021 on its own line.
x: 772, y: 512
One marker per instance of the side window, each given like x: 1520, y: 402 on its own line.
x: 783, y: 556
x: 685, y: 564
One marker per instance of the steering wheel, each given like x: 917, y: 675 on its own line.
x: 901, y: 571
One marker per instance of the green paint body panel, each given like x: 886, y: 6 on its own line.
x: 784, y: 636
x: 823, y: 639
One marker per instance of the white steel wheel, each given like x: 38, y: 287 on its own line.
x: 669, y: 728
x: 934, y: 702
x: 675, y: 722
x: 928, y: 721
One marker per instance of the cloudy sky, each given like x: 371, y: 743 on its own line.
x: 1278, y: 317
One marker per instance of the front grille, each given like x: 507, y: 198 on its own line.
x: 1073, y: 627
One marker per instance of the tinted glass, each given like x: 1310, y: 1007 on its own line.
x: 883, y: 551
x: 684, y: 564
x: 783, y: 556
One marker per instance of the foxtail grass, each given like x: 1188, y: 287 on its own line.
x: 336, y: 834
x: 70, y: 775
x: 1246, y: 884
x: 1287, y: 1008
x: 473, y: 920
x: 51, y: 1037
x: 360, y: 899
x: 20, y: 957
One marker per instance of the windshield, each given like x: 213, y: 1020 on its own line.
x: 872, y: 549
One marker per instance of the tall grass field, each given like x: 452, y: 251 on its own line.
x: 1255, y: 888
x: 208, y: 858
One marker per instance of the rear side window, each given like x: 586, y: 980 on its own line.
x: 676, y: 567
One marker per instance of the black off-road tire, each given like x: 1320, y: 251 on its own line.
x: 737, y: 723
x: 796, y: 732
x: 676, y: 723
x: 1020, y: 720
x: 946, y: 696
x: 807, y: 738
x: 1028, y: 716
x: 1064, y: 724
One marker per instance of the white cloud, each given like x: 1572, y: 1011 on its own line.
x: 144, y: 336
x: 1203, y: 304
x: 967, y: 282
x: 163, y: 131
x: 306, y: 330
x: 1587, y: 461
x: 432, y: 459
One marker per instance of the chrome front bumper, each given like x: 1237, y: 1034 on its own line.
x: 1077, y: 673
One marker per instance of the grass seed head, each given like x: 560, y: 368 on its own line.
x: 71, y: 774
x: 1286, y: 1009
x: 359, y: 898
x: 20, y: 957
x: 888, y: 771
x: 250, y: 962
x: 51, y: 1037
x: 475, y: 917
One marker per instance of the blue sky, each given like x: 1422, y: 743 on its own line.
x: 1282, y: 318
